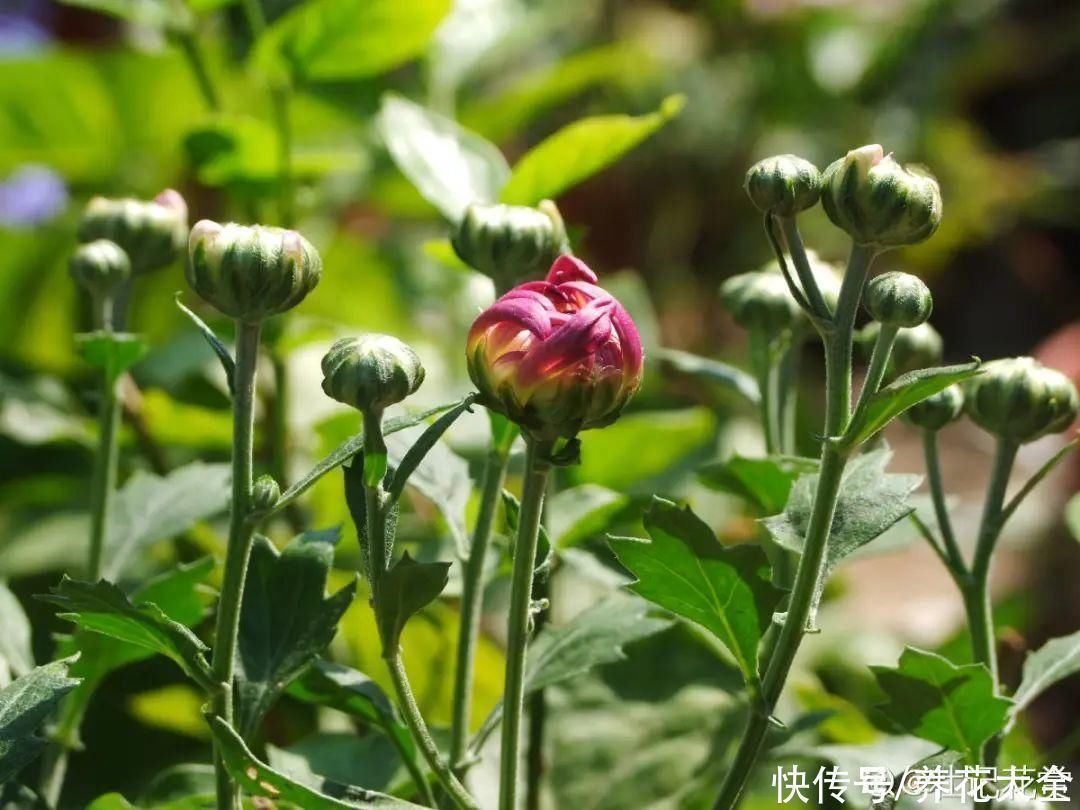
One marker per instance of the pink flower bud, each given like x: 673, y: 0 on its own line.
x: 556, y: 356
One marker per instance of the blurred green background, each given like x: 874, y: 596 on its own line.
x: 983, y: 92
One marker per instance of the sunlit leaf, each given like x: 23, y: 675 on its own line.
x: 713, y: 371
x: 1053, y: 662
x: 579, y: 513
x: 764, y: 483
x: 15, y: 650
x: 403, y: 590
x: 112, y: 352
x: 25, y: 705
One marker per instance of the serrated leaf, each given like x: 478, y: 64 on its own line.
x: 149, y: 508
x: 224, y: 356
x: 330, y: 40
x: 112, y: 352
x: 594, y: 637
x: 899, y: 395
x: 932, y: 698
x: 450, y: 166
x: 25, y: 705
x: 713, y: 371
x: 686, y: 570
x: 1057, y: 659
x: 580, y: 150
x: 101, y: 607
x: 765, y: 483
x: 870, y: 501
x: 15, y: 650
x: 260, y: 779
x: 403, y: 590
x: 286, y: 620
x: 579, y: 513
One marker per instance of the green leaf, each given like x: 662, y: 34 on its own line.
x: 580, y: 150
x: 15, y: 651
x: 259, y: 779
x: 342, y: 756
x: 932, y: 698
x: 224, y: 356
x: 403, y: 590
x: 150, y: 13
x: 594, y: 637
x: 870, y: 502
x: 286, y: 620
x: 450, y: 166
x: 686, y: 570
x: 1056, y: 660
x: 423, y: 445
x: 713, y: 371
x: 101, y: 607
x: 765, y: 483
x: 113, y: 352
x: 149, y: 508
x: 544, y: 550
x: 899, y: 395
x: 330, y: 40
x: 25, y: 705
x: 582, y: 512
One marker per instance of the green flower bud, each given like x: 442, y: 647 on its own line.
x: 151, y: 233
x: 936, y: 411
x: 759, y: 301
x: 878, y: 201
x: 265, y: 493
x: 251, y: 272
x: 1020, y: 399
x: 915, y: 348
x: 100, y: 267
x: 371, y: 372
x: 783, y: 185
x: 510, y: 243
x: 898, y: 299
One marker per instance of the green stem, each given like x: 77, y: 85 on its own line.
x: 788, y: 384
x: 537, y: 467
x: 761, y: 360
x: 879, y: 363
x: 472, y: 598
x: 790, y: 229
x: 838, y: 358
x: 189, y: 47
x: 955, y: 559
x: 415, y: 721
x: 104, y: 476
x: 239, y: 548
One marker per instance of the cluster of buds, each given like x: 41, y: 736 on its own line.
x: 761, y: 299
x: 510, y: 244
x: 556, y: 356
x: 152, y: 233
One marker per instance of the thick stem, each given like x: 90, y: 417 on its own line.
x: 954, y: 557
x: 239, y: 548
x: 838, y: 354
x: 472, y: 598
x: 104, y: 480
x: 537, y: 467
x: 415, y: 721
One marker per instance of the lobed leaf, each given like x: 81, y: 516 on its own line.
x: 286, y: 620
x: 25, y: 705
x: 765, y: 483
x: 686, y: 570
x: 580, y: 150
x: 404, y: 590
x: 112, y: 352
x: 932, y: 698
x: 1057, y: 659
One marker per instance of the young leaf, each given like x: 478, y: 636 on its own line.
x: 579, y: 150
x: 899, y: 395
x: 15, y: 650
x: 101, y: 607
x: 686, y: 570
x: 594, y: 637
x: 223, y: 354
x: 422, y: 446
x: 1056, y: 660
x: 149, y: 508
x: 870, y: 501
x: 286, y: 620
x: 932, y: 698
x: 450, y: 166
x: 259, y: 779
x: 404, y: 590
x: 113, y: 352
x: 330, y: 40
x: 713, y: 371
x: 579, y: 513
x: 765, y: 483
x: 25, y: 705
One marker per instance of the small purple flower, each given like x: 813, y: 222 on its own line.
x: 31, y: 195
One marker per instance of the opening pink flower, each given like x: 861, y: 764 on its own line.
x: 556, y: 356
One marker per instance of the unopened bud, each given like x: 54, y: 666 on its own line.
x: 783, y: 185
x: 1020, y: 399
x: 898, y: 299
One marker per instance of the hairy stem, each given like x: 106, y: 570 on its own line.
x: 537, y: 467
x: 955, y: 559
x: 472, y: 598
x: 790, y: 229
x: 239, y: 548
x: 838, y: 358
